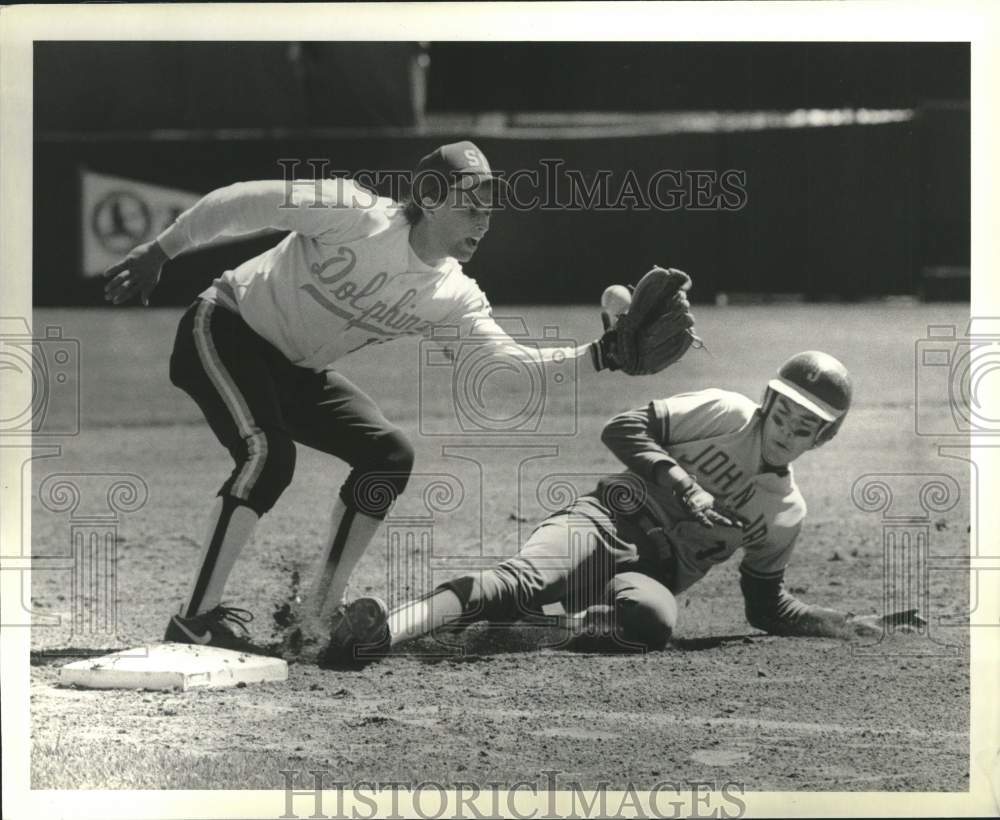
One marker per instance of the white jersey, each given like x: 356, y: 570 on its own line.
x: 344, y: 278
x: 715, y: 435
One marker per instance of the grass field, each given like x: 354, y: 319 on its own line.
x: 772, y: 713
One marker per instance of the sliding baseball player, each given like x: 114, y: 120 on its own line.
x: 257, y: 349
x: 708, y: 474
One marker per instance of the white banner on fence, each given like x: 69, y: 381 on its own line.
x: 116, y: 214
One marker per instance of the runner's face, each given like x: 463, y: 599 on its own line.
x: 461, y: 222
x: 789, y: 430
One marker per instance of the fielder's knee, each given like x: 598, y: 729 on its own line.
x: 374, y: 484
x: 265, y: 463
x: 645, y: 609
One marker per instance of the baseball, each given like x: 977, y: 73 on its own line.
x: 616, y: 299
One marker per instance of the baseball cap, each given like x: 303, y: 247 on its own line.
x: 460, y: 165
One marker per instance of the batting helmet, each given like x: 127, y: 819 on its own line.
x: 819, y: 383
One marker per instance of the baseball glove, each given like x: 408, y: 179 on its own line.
x: 655, y: 331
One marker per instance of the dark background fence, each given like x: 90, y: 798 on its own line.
x: 846, y: 211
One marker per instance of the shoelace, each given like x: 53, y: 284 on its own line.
x: 234, y: 615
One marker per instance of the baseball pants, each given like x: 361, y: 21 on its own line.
x: 579, y: 558
x: 259, y: 405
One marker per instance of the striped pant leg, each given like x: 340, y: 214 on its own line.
x: 234, y: 376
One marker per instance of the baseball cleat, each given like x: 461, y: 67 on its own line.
x: 359, y: 633
x: 213, y: 628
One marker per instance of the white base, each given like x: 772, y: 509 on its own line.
x: 172, y: 666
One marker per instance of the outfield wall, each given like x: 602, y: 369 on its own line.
x: 829, y: 212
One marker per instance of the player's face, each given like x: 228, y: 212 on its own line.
x: 461, y: 222
x: 789, y: 430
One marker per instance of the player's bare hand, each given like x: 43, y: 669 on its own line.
x: 867, y: 626
x: 729, y: 518
x: 864, y: 626
x: 703, y: 507
x: 715, y: 517
x: 137, y: 274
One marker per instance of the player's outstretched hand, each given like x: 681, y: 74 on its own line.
x: 138, y: 273
x: 864, y: 626
x: 703, y: 507
x: 867, y: 626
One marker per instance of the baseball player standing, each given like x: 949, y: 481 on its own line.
x: 708, y: 473
x: 255, y: 349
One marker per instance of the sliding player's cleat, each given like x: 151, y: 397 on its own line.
x: 359, y: 634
